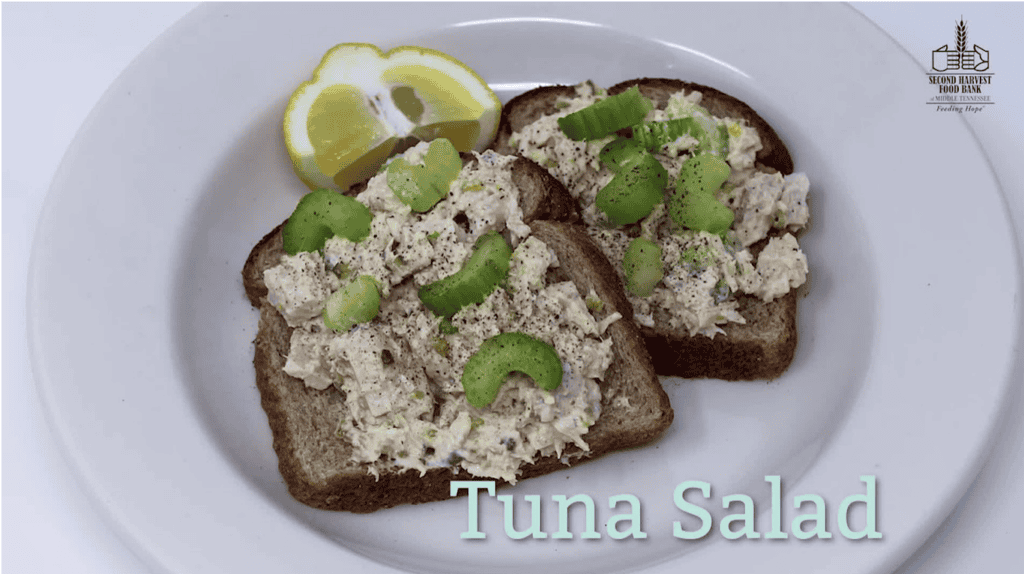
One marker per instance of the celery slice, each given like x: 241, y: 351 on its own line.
x: 692, y: 204
x: 356, y: 302
x: 322, y: 214
x: 486, y: 268
x: 422, y: 186
x: 642, y: 266
x: 711, y: 137
x: 634, y: 191
x: 653, y: 135
x: 620, y: 153
x: 487, y: 369
x: 606, y: 116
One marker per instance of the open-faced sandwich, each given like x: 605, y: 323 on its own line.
x: 500, y: 314
x: 692, y: 197
x: 445, y: 321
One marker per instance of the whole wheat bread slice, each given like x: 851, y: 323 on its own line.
x: 764, y: 346
x: 316, y: 464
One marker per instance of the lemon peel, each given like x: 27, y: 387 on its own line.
x: 362, y: 103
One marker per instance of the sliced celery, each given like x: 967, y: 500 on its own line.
x: 422, y: 186
x: 642, y: 266
x: 502, y: 354
x: 634, y: 191
x: 322, y: 214
x: 356, y: 302
x: 486, y: 268
x: 692, y: 204
x: 606, y: 116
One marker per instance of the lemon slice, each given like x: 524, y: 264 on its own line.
x: 342, y: 125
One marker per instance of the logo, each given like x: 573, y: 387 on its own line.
x: 960, y: 76
x: 960, y: 59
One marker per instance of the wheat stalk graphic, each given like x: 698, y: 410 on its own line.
x: 961, y: 36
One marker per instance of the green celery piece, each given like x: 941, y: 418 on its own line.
x: 642, y: 266
x: 620, y: 153
x: 711, y: 137
x: 634, y: 191
x: 653, y: 135
x: 502, y: 354
x: 357, y: 302
x: 606, y: 116
x: 692, y: 204
x: 422, y: 186
x: 322, y: 214
x: 486, y: 269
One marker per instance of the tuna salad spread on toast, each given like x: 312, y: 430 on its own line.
x: 498, y: 300
x: 401, y: 372
x: 440, y: 333
x: 684, y: 269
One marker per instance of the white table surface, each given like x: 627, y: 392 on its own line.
x: 58, y: 59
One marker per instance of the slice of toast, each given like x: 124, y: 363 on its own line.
x: 764, y: 346
x: 317, y: 465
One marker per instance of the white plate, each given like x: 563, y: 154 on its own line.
x: 141, y: 335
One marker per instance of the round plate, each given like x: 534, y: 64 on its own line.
x: 142, y: 337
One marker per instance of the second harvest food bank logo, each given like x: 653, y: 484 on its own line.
x: 959, y: 76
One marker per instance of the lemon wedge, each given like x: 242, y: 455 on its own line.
x: 344, y: 123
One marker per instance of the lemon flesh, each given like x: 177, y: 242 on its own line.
x: 341, y: 126
x: 345, y: 132
x: 449, y: 109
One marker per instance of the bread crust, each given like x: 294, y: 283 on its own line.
x: 316, y: 464
x: 764, y: 347
x: 525, y: 109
